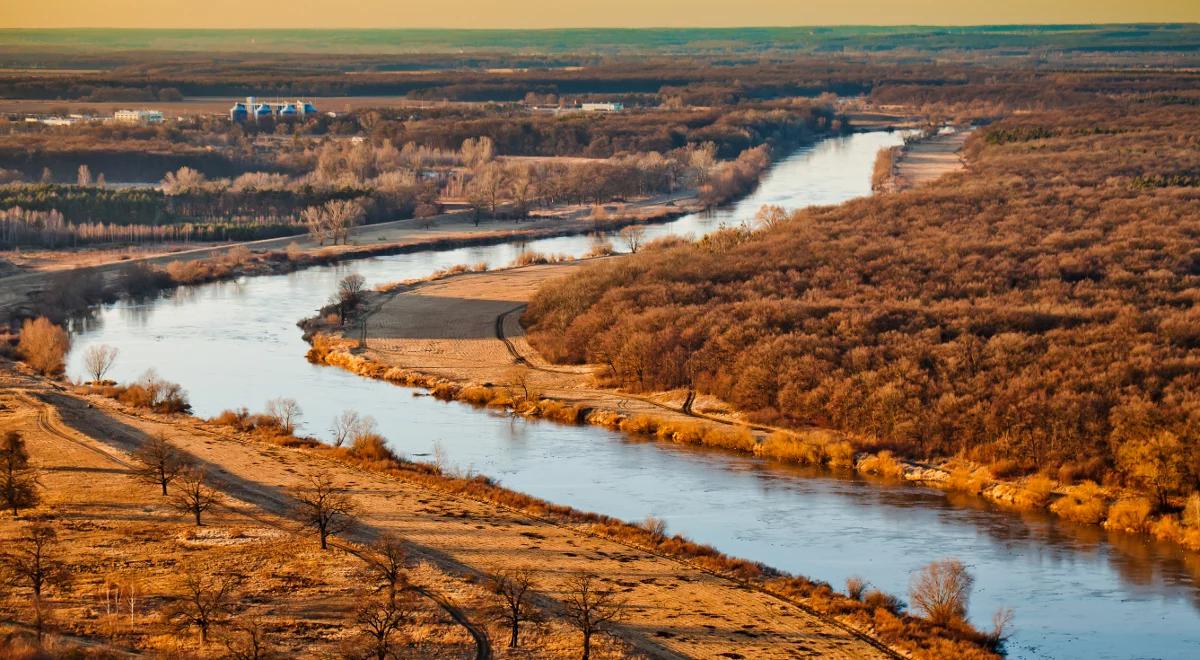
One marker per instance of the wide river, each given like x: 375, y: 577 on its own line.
x: 1077, y: 591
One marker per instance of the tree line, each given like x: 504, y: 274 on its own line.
x: 1035, y: 310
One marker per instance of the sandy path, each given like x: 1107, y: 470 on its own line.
x: 456, y: 328
x: 927, y: 160
x: 675, y: 610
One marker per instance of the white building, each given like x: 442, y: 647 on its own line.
x: 138, y: 117
x: 602, y: 107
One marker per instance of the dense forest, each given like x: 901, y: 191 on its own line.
x: 1039, y: 308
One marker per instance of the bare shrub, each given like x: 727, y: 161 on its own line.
x: 1129, y: 515
x: 1083, y: 503
x: 942, y: 591
x: 325, y: 507
x: 656, y: 527
x: 43, y: 346
x: 856, y: 586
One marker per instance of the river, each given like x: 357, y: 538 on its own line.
x: 1076, y: 591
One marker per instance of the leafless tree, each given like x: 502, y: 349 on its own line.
x: 285, y: 412
x: 350, y: 425
x: 192, y: 495
x: 380, y: 619
x: 249, y: 641
x: 160, y: 462
x: 18, y: 479
x: 590, y: 608
x: 83, y: 177
x: 205, y: 601
x: 515, y: 587
x: 349, y: 294
x: 98, y: 359
x: 942, y: 590
x: 520, y: 385
x: 770, y: 216
x: 633, y: 236
x: 30, y: 561
x: 325, y: 507
x: 385, y: 558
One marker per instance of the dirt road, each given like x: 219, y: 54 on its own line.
x: 674, y: 610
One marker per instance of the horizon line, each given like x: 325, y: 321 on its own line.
x: 595, y: 27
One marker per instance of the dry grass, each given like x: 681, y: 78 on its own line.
x: 883, y: 464
x: 1083, y: 503
x: 1129, y: 515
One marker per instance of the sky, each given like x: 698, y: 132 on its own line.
x: 578, y: 13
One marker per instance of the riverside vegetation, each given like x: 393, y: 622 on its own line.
x: 1027, y: 320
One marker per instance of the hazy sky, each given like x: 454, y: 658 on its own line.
x: 577, y: 13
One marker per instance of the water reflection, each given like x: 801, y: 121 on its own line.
x: 1078, y: 591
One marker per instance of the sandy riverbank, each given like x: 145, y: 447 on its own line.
x: 924, y: 161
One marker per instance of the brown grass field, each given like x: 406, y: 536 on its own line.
x: 114, y: 528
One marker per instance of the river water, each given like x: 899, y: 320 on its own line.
x: 1077, y: 592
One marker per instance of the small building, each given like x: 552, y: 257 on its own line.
x: 259, y: 110
x: 602, y: 107
x: 239, y: 112
x: 138, y: 117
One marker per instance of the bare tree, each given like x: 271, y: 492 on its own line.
x: 349, y: 426
x: 633, y: 236
x: 44, y: 345
x: 385, y: 558
x: 205, y: 602
x: 590, y: 608
x: 349, y: 294
x: 98, y: 359
x: 285, y: 412
x: 324, y: 507
x: 249, y: 641
x: 343, y: 215
x: 192, y: 495
x: 314, y: 220
x: 770, y: 216
x: 30, y: 561
x: 18, y: 479
x: 83, y: 177
x: 380, y: 619
x: 515, y: 587
x: 160, y: 462
x: 942, y: 590
x: 520, y: 384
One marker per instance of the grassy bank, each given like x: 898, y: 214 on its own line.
x: 873, y: 616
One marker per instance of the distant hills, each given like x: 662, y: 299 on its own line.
x: 1181, y: 37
